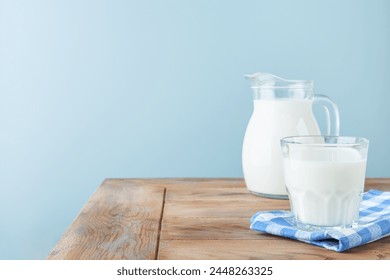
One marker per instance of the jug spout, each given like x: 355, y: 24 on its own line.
x: 268, y: 80
x: 268, y: 86
x: 263, y: 79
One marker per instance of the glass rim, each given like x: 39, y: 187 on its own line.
x: 350, y: 141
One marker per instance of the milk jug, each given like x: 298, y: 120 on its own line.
x: 281, y: 108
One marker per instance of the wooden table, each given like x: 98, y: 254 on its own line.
x: 187, y: 219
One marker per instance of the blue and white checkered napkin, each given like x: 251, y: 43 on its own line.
x: 374, y: 223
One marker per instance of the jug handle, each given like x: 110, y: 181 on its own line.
x: 331, y: 114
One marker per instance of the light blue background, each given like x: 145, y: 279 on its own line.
x: 97, y: 89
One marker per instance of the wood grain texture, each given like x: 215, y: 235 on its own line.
x: 274, y: 249
x: 206, y: 202
x: 120, y: 221
x: 188, y: 218
x: 208, y: 229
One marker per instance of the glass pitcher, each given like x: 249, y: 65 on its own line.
x: 281, y: 108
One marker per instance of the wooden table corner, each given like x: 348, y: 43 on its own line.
x: 188, y: 218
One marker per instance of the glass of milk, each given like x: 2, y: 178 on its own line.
x: 324, y: 178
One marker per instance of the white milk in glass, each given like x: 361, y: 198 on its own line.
x: 261, y: 156
x: 325, y: 185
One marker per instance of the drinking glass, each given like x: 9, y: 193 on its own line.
x: 324, y: 177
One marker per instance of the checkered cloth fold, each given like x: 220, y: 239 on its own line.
x: 374, y: 224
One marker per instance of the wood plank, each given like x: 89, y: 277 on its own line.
x: 120, y: 221
x: 216, y: 209
x: 216, y: 194
x: 209, y: 229
x: 211, y: 202
x: 280, y: 248
x: 198, y: 220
